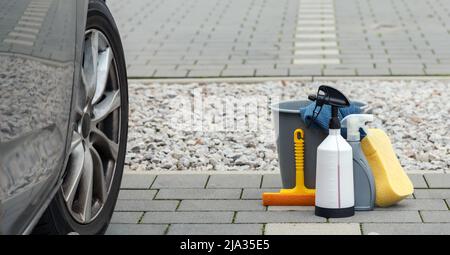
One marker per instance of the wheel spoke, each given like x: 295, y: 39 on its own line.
x: 106, y: 106
x: 74, y: 173
x: 106, y: 144
x: 85, y: 188
x: 99, y: 176
x: 104, y: 63
x: 90, y: 63
x: 89, y: 88
x: 76, y: 141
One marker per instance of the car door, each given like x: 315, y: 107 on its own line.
x: 37, y: 66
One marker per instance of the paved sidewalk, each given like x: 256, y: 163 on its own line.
x: 230, y: 204
x: 227, y: 38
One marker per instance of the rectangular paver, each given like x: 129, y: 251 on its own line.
x: 236, y: 72
x: 145, y: 205
x: 188, y: 217
x: 435, y: 216
x: 136, y: 229
x: 277, y: 217
x: 417, y: 204
x: 180, y: 181
x: 313, y: 229
x: 167, y: 73
x: 137, y: 194
x: 432, y: 193
x: 234, y: 181
x: 271, y: 72
x: 407, y: 229
x: 137, y: 181
x: 205, y: 73
x: 438, y: 180
x: 126, y: 217
x: 382, y: 216
x: 256, y: 193
x: 271, y: 181
x: 290, y: 208
x: 221, y: 205
x: 418, y: 181
x: 215, y: 229
x: 199, y: 194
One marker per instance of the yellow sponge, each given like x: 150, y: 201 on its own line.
x: 391, y: 182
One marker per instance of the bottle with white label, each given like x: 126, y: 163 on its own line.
x: 334, y: 169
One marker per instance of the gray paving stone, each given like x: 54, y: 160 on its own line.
x: 140, y: 71
x: 137, y: 181
x: 438, y: 180
x: 406, y: 229
x: 382, y: 216
x: 290, y: 208
x: 416, y: 204
x: 346, y: 71
x: 437, y: 71
x: 373, y: 71
x: 221, y: 205
x: 238, y: 72
x: 435, y: 216
x: 180, y: 181
x: 202, y: 67
x: 432, y: 193
x: 170, y: 73
x: 205, y: 73
x: 271, y: 71
x: 188, y: 217
x: 145, y: 205
x: 418, y: 181
x: 277, y: 217
x: 136, y: 229
x: 271, y: 181
x: 256, y: 193
x: 304, y: 71
x: 269, y: 30
x: 137, y: 194
x: 234, y: 181
x: 313, y: 229
x: 407, y: 71
x: 199, y: 194
x: 126, y: 217
x: 215, y: 229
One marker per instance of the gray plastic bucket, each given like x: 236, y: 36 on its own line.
x: 287, y: 118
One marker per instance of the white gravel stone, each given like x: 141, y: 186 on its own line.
x: 165, y: 136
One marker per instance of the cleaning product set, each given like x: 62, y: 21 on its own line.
x: 353, y: 174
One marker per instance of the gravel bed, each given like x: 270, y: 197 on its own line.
x: 165, y: 136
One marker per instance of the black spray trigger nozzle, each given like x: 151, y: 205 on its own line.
x: 333, y: 97
x: 330, y: 96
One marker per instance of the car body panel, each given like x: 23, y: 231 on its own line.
x: 40, y: 51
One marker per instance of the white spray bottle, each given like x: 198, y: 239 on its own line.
x: 334, y: 169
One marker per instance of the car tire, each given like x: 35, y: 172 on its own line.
x: 58, y: 219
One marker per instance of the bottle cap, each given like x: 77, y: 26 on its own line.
x: 353, y: 123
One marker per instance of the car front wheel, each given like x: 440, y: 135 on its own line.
x: 93, y: 173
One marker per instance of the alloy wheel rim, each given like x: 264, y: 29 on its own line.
x: 95, y: 139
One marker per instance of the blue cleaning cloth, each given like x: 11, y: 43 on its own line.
x: 323, y: 119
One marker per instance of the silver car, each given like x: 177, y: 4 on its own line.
x: 63, y: 116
